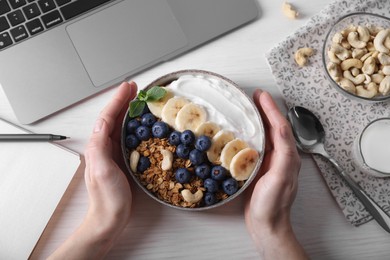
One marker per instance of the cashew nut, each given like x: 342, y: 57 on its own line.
x: 386, y: 70
x: 383, y: 58
x: 355, y: 71
x: 367, y: 80
x: 358, y: 53
x: 349, y: 29
x: 167, y: 160
x: 370, y: 91
x: 355, y: 80
x: 289, y: 11
x: 380, y: 39
x: 192, y: 197
x: 369, y: 66
x: 341, y: 52
x: 302, y: 54
x: 333, y: 58
x: 337, y: 37
x: 384, y: 86
x: 334, y: 71
x: 134, y: 158
x: 353, y: 39
x: 386, y: 43
x: 351, y: 63
x: 364, y: 33
x: 377, y: 78
x: 347, y: 85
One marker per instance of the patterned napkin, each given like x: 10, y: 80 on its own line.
x: 343, y: 119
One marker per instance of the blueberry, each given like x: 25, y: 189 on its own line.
x: 203, y: 143
x: 196, y: 157
x: 210, y: 185
x: 143, y: 133
x: 183, y: 151
x: 143, y: 164
x: 183, y: 175
x: 230, y: 186
x: 148, y: 119
x: 203, y: 171
x: 174, y: 138
x: 210, y: 199
x: 187, y: 137
x: 160, y: 129
x: 132, y: 125
x: 218, y: 173
x: 132, y: 141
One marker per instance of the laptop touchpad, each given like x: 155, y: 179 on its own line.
x: 125, y: 38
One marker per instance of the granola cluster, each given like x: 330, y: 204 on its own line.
x: 162, y: 183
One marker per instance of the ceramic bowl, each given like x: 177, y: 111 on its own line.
x: 368, y: 20
x: 234, y: 92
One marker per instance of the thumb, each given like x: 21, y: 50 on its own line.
x: 99, y: 145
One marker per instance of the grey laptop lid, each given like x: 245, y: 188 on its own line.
x: 78, y: 58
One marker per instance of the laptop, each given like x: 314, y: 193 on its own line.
x: 55, y: 53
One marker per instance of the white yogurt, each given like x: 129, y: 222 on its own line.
x: 225, y: 105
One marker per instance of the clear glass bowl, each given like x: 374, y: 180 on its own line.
x: 363, y: 19
x: 238, y: 93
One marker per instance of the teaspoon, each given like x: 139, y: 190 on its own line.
x: 309, y: 136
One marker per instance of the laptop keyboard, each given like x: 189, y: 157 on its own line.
x: 21, y: 19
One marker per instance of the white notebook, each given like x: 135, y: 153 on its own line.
x: 33, y: 178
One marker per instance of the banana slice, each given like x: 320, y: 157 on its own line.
x: 156, y: 107
x: 217, y: 144
x: 190, y: 117
x: 243, y: 163
x: 230, y: 150
x: 207, y: 128
x: 171, y: 108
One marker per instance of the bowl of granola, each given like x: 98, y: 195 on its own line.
x: 356, y: 57
x: 192, y: 140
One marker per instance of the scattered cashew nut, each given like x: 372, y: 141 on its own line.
x: 289, y: 11
x: 134, y: 158
x: 301, y: 56
x: 386, y: 70
x: 167, y: 160
x: 192, y: 197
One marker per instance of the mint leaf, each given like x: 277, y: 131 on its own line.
x: 136, y: 107
x: 155, y: 93
x: 142, y: 95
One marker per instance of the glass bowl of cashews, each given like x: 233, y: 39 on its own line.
x: 192, y: 140
x: 356, y: 55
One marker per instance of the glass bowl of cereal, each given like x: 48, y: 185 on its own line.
x: 356, y: 57
x: 192, y: 140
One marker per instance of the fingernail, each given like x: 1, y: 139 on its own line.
x: 98, y: 126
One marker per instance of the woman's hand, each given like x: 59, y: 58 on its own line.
x: 267, y: 213
x: 108, y: 188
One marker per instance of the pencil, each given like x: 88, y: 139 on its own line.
x: 31, y: 137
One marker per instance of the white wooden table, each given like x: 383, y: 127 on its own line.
x: 157, y: 232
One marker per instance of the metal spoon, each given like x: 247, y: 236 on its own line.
x: 309, y: 136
